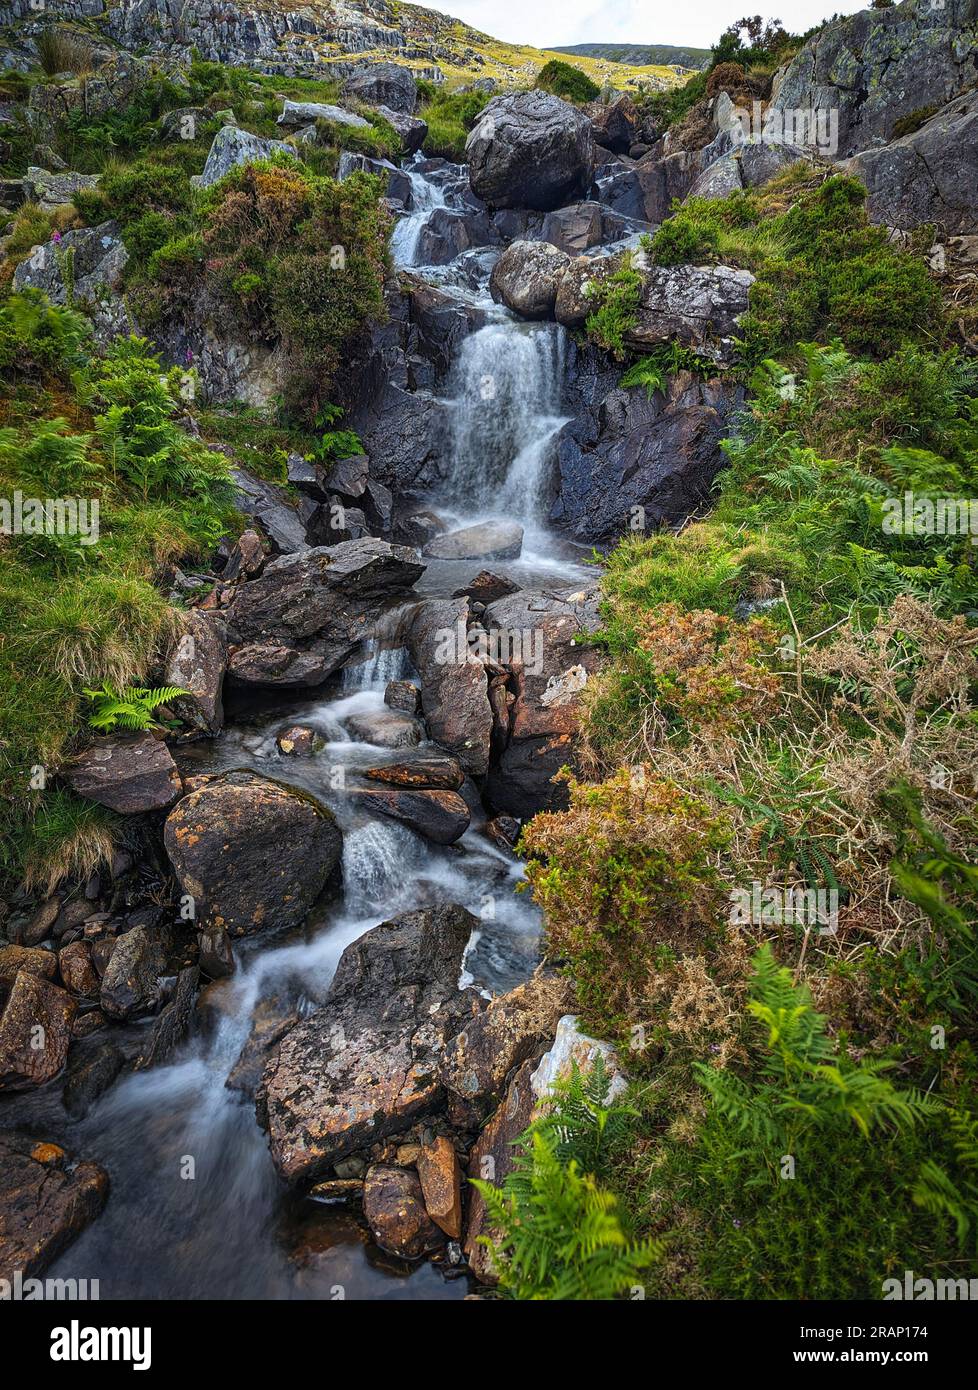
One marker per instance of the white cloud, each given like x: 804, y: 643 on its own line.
x: 544, y: 22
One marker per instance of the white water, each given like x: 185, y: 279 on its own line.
x: 425, y: 198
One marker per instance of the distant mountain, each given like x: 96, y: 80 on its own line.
x: 640, y: 54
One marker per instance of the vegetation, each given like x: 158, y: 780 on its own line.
x: 449, y: 117
x: 565, y: 80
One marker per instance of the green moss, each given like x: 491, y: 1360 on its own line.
x: 450, y: 117
x: 616, y: 298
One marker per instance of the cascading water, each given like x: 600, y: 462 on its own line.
x: 425, y: 198
x: 506, y: 415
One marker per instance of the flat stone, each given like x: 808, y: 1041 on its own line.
x: 46, y: 1201
x: 128, y: 773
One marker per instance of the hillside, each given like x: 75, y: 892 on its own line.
x: 639, y: 54
x: 321, y: 40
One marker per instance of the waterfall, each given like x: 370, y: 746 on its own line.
x: 425, y: 198
x: 382, y: 664
x: 505, y: 414
x: 380, y: 859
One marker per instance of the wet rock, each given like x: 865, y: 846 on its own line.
x: 394, y: 1208
x: 440, y: 816
x: 363, y: 1067
x: 77, y: 971
x: 515, y: 1026
x: 453, y: 691
x: 615, y: 124
x: 492, y: 1158
x: 762, y: 160
x: 252, y: 853
x: 273, y: 1017
x: 31, y: 959
x: 441, y: 1185
x: 530, y: 150
x: 173, y: 1024
x: 297, y: 741
x: 525, y: 278
x: 489, y: 540
x: 40, y: 926
x: 385, y: 729
x: 46, y: 1201
x: 85, y: 1024
x: 215, y: 953
x: 319, y: 605
x: 404, y: 696
x: 503, y: 831
x: 133, y: 979
x: 197, y: 662
x: 90, y: 1074
x: 270, y: 508
x: 543, y: 717
x: 485, y: 588
x: 35, y: 1032
x: 129, y: 773
x: 232, y: 146
x: 432, y: 772
x: 303, y: 113
x: 384, y: 84
x: 575, y: 229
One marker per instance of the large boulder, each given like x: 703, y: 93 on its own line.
x: 530, y: 150
x: 394, y: 1209
x: 928, y: 175
x: 383, y: 84
x: 454, y: 692
x: 489, y: 540
x: 253, y: 854
x: 412, y: 131
x: 308, y: 612
x: 98, y: 261
x: 615, y: 124
x: 303, y: 113
x: 196, y: 663
x: 35, y: 1032
x: 876, y: 68
x: 133, y: 979
x: 525, y: 278
x: 128, y: 773
x: 549, y: 665
x: 46, y: 1201
x: 232, y: 146
x: 52, y: 189
x: 364, y: 1067
x: 698, y: 306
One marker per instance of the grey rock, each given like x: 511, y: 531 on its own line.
x: 99, y: 259
x: 300, y: 113
x: 133, y: 979
x: 526, y: 276
x: 489, y: 540
x: 52, y: 189
x: 128, y: 773
x: 530, y: 150
x: 385, y: 84
x: 232, y: 146
x: 197, y: 662
x: 698, y: 306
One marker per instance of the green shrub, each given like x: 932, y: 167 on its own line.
x: 564, y: 80
x: 449, y: 117
x: 130, y: 709
x: 616, y: 298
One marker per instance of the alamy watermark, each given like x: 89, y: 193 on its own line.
x: 21, y: 1288
x: 923, y: 1290
x: 50, y: 516
x: 805, y: 127
x: 911, y: 515
x: 809, y: 908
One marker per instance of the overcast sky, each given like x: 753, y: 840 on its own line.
x: 698, y: 23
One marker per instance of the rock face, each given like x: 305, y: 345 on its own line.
x: 436, y: 773
x: 880, y: 66
x: 533, y: 734
x: 35, y: 1032
x: 394, y: 1209
x: 132, y: 980
x: 530, y: 150
x: 46, y: 1201
x: 197, y: 663
x: 492, y: 1159
x: 629, y: 463
x: 615, y: 124
x: 53, y: 189
x: 307, y: 613
x: 128, y: 773
x: 364, y: 1066
x: 99, y: 260
x: 253, y: 854
x: 453, y: 682
x: 384, y: 84
x: 929, y: 175
x: 525, y: 278
x: 441, y: 1185
x: 440, y: 816
x: 232, y: 146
